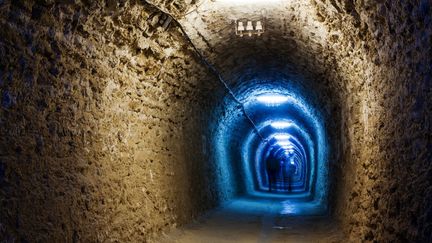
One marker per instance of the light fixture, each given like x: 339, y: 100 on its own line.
x: 259, y: 28
x: 287, y: 147
x: 251, y: 27
x: 289, y: 150
x: 281, y: 124
x: 240, y: 26
x: 272, y: 99
x: 282, y: 136
x: 284, y: 144
x: 240, y: 29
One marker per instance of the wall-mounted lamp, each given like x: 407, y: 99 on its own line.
x: 252, y: 27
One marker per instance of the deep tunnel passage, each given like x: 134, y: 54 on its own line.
x: 287, y: 127
x: 215, y: 121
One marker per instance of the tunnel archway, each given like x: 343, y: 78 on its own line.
x: 291, y: 151
x: 287, y: 121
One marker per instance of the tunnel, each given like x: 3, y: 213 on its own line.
x: 274, y: 118
x: 215, y: 121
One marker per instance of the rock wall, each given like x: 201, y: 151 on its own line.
x: 103, y: 123
x: 383, y: 51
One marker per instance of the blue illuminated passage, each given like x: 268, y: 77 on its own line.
x: 287, y: 149
x: 283, y: 165
x: 288, y: 158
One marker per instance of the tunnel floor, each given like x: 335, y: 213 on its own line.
x: 260, y: 219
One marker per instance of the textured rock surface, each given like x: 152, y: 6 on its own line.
x: 385, y: 56
x: 102, y: 123
x: 103, y: 113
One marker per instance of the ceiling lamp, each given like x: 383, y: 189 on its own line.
x: 253, y: 27
x: 282, y: 136
x: 249, y: 28
x: 272, y: 99
x: 259, y: 28
x: 285, y: 144
x: 240, y: 26
x: 281, y: 124
x: 289, y: 150
x: 287, y: 147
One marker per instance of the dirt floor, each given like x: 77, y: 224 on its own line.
x: 256, y: 219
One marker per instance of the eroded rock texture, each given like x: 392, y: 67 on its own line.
x: 103, y: 122
x: 385, y: 55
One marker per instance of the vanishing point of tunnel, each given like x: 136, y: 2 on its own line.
x: 215, y: 121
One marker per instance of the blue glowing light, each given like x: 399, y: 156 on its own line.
x: 284, y: 143
x: 281, y: 124
x: 289, y: 126
x: 272, y: 99
x: 292, y: 161
x: 282, y: 136
x: 289, y: 150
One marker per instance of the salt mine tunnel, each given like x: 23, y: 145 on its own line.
x: 215, y: 121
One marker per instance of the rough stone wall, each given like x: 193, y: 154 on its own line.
x: 383, y: 52
x: 102, y: 120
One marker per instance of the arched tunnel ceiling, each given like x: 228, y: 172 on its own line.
x: 244, y: 148
x: 305, y: 43
x: 294, y: 42
x: 316, y: 39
